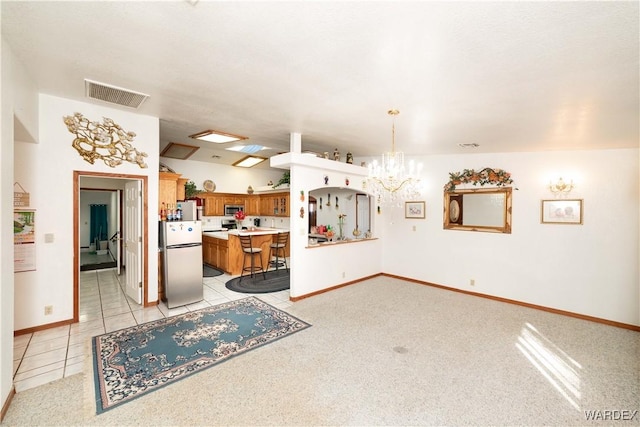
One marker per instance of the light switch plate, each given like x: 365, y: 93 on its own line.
x: 48, y: 238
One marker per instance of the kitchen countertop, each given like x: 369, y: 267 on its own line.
x: 217, y: 234
x: 258, y: 231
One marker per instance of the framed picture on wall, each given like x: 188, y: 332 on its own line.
x: 566, y: 211
x: 24, y: 240
x: 414, y: 210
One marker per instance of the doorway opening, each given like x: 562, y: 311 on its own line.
x: 114, y: 186
x: 100, y: 226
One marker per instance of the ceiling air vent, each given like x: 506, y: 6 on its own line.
x: 113, y: 94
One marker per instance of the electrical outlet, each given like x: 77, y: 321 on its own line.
x: 48, y: 310
x: 414, y: 228
x: 472, y: 282
x: 343, y: 274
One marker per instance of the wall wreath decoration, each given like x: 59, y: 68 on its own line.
x: 497, y: 177
x: 105, y: 141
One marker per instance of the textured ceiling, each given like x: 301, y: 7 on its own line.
x: 510, y: 76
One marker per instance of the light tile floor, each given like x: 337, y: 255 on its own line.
x: 94, y: 258
x: 51, y: 354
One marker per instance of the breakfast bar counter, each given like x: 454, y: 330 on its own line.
x: 260, y: 238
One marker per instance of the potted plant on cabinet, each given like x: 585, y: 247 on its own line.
x: 284, y: 180
x: 190, y: 190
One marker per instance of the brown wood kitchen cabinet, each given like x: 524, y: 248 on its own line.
x: 168, y: 189
x: 209, y: 248
x: 223, y: 255
x: 234, y: 199
x: 252, y: 205
x: 266, y: 209
x: 215, y: 252
x: 283, y: 206
x: 276, y: 204
x: 180, y: 190
x: 213, y: 204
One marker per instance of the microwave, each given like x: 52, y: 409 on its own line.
x: 230, y: 210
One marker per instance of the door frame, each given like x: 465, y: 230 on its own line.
x: 76, y: 234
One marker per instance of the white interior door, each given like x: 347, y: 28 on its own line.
x: 133, y: 239
x: 117, y: 242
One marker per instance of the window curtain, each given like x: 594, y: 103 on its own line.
x: 98, y: 223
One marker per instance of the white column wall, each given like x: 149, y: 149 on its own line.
x: 324, y: 267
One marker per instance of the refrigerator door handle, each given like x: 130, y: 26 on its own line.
x: 184, y: 245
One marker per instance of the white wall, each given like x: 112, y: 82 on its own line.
x: 46, y: 171
x: 591, y: 269
x: 19, y: 102
x: 228, y: 179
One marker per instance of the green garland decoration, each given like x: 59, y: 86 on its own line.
x: 497, y: 177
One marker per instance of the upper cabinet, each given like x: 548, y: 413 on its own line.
x: 180, y: 191
x: 252, y: 204
x: 168, y: 189
x: 276, y: 204
x: 234, y: 199
x: 213, y: 204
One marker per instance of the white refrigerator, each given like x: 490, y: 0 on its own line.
x: 181, y: 247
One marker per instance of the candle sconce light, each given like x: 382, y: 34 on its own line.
x: 561, y: 187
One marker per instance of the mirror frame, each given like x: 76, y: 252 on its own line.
x: 450, y: 224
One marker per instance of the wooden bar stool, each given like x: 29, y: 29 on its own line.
x: 250, y: 252
x: 278, y: 249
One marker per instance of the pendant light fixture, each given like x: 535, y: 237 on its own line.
x: 391, y: 182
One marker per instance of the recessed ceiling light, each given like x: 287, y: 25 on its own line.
x: 217, y: 137
x: 249, y: 161
x: 178, y: 151
x: 248, y: 149
x: 469, y: 145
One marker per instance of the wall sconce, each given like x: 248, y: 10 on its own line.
x: 561, y: 187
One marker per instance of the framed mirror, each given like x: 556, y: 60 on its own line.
x: 483, y: 209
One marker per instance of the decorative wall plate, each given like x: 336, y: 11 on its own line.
x: 209, y: 186
x: 454, y: 211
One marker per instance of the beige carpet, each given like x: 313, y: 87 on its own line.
x: 388, y: 352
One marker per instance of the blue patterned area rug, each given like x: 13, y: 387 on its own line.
x: 134, y: 361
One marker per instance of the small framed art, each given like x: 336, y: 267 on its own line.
x: 565, y: 211
x: 414, y: 210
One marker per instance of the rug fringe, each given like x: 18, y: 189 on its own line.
x: 88, y: 386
